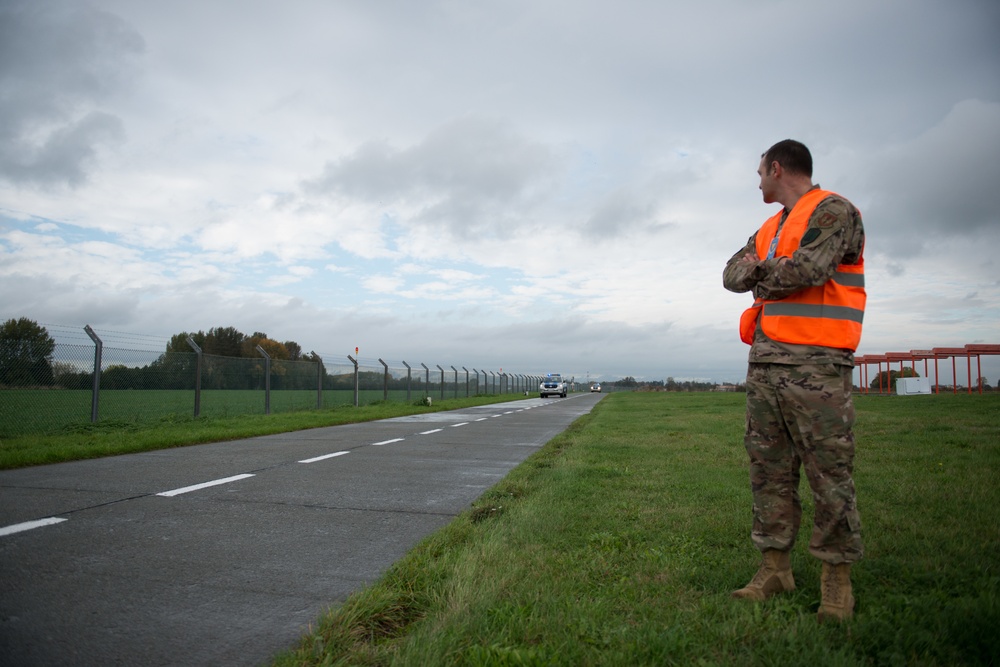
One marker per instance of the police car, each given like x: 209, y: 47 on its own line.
x: 552, y: 385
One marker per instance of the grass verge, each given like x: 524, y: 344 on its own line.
x: 110, y: 437
x: 619, y: 542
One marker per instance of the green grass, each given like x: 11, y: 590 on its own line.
x: 24, y: 411
x: 128, y: 434
x: 619, y: 542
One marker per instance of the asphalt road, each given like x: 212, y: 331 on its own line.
x: 224, y: 554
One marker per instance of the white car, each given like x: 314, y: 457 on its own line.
x: 595, y: 387
x: 552, y: 385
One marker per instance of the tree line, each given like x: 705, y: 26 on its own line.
x: 230, y: 360
x: 231, y: 342
x: 25, y: 354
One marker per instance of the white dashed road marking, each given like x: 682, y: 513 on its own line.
x: 323, y: 458
x: 435, y: 430
x: 387, y: 442
x: 216, y: 482
x: 28, y: 525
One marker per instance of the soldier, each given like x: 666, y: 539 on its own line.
x: 805, y: 269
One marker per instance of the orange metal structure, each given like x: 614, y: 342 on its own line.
x: 871, y: 359
x: 937, y: 354
x: 978, y: 350
x: 922, y: 354
x: 954, y: 353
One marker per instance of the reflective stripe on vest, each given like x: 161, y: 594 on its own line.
x: 777, y: 308
x: 828, y: 315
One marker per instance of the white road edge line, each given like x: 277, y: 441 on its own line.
x: 387, y: 442
x: 323, y: 458
x: 216, y: 482
x: 431, y: 431
x: 28, y: 525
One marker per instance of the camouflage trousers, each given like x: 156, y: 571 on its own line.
x: 802, y: 417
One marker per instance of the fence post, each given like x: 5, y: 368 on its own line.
x: 353, y: 361
x: 442, y: 380
x: 408, y: 371
x: 466, y: 381
x: 456, y: 380
x: 197, y: 377
x: 96, y: 392
x: 427, y: 380
x: 267, y: 380
x: 385, y: 380
x: 319, y: 381
x: 494, y: 375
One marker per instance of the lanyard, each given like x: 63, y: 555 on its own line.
x: 777, y: 235
x: 774, y: 246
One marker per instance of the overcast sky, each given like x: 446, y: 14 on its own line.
x: 542, y: 186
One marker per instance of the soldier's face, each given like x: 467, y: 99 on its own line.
x: 767, y: 184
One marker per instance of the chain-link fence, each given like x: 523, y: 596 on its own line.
x: 83, y: 381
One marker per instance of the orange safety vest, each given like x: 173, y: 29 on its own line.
x: 828, y: 315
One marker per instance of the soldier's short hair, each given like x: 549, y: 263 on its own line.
x: 793, y: 156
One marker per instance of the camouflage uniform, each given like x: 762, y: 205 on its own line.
x: 799, y: 408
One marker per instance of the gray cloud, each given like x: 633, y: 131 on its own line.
x: 938, y: 179
x: 59, y: 62
x: 466, y: 176
x: 928, y: 192
x: 623, y: 213
x: 66, y: 302
x: 64, y: 154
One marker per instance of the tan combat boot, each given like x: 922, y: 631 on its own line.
x: 773, y: 577
x: 837, y: 602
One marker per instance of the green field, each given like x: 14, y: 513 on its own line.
x: 619, y: 542
x: 24, y: 411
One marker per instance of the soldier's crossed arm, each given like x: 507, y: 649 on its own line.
x: 743, y: 269
x: 822, y: 248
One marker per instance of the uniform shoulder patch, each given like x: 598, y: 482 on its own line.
x: 825, y: 220
x: 811, y: 235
